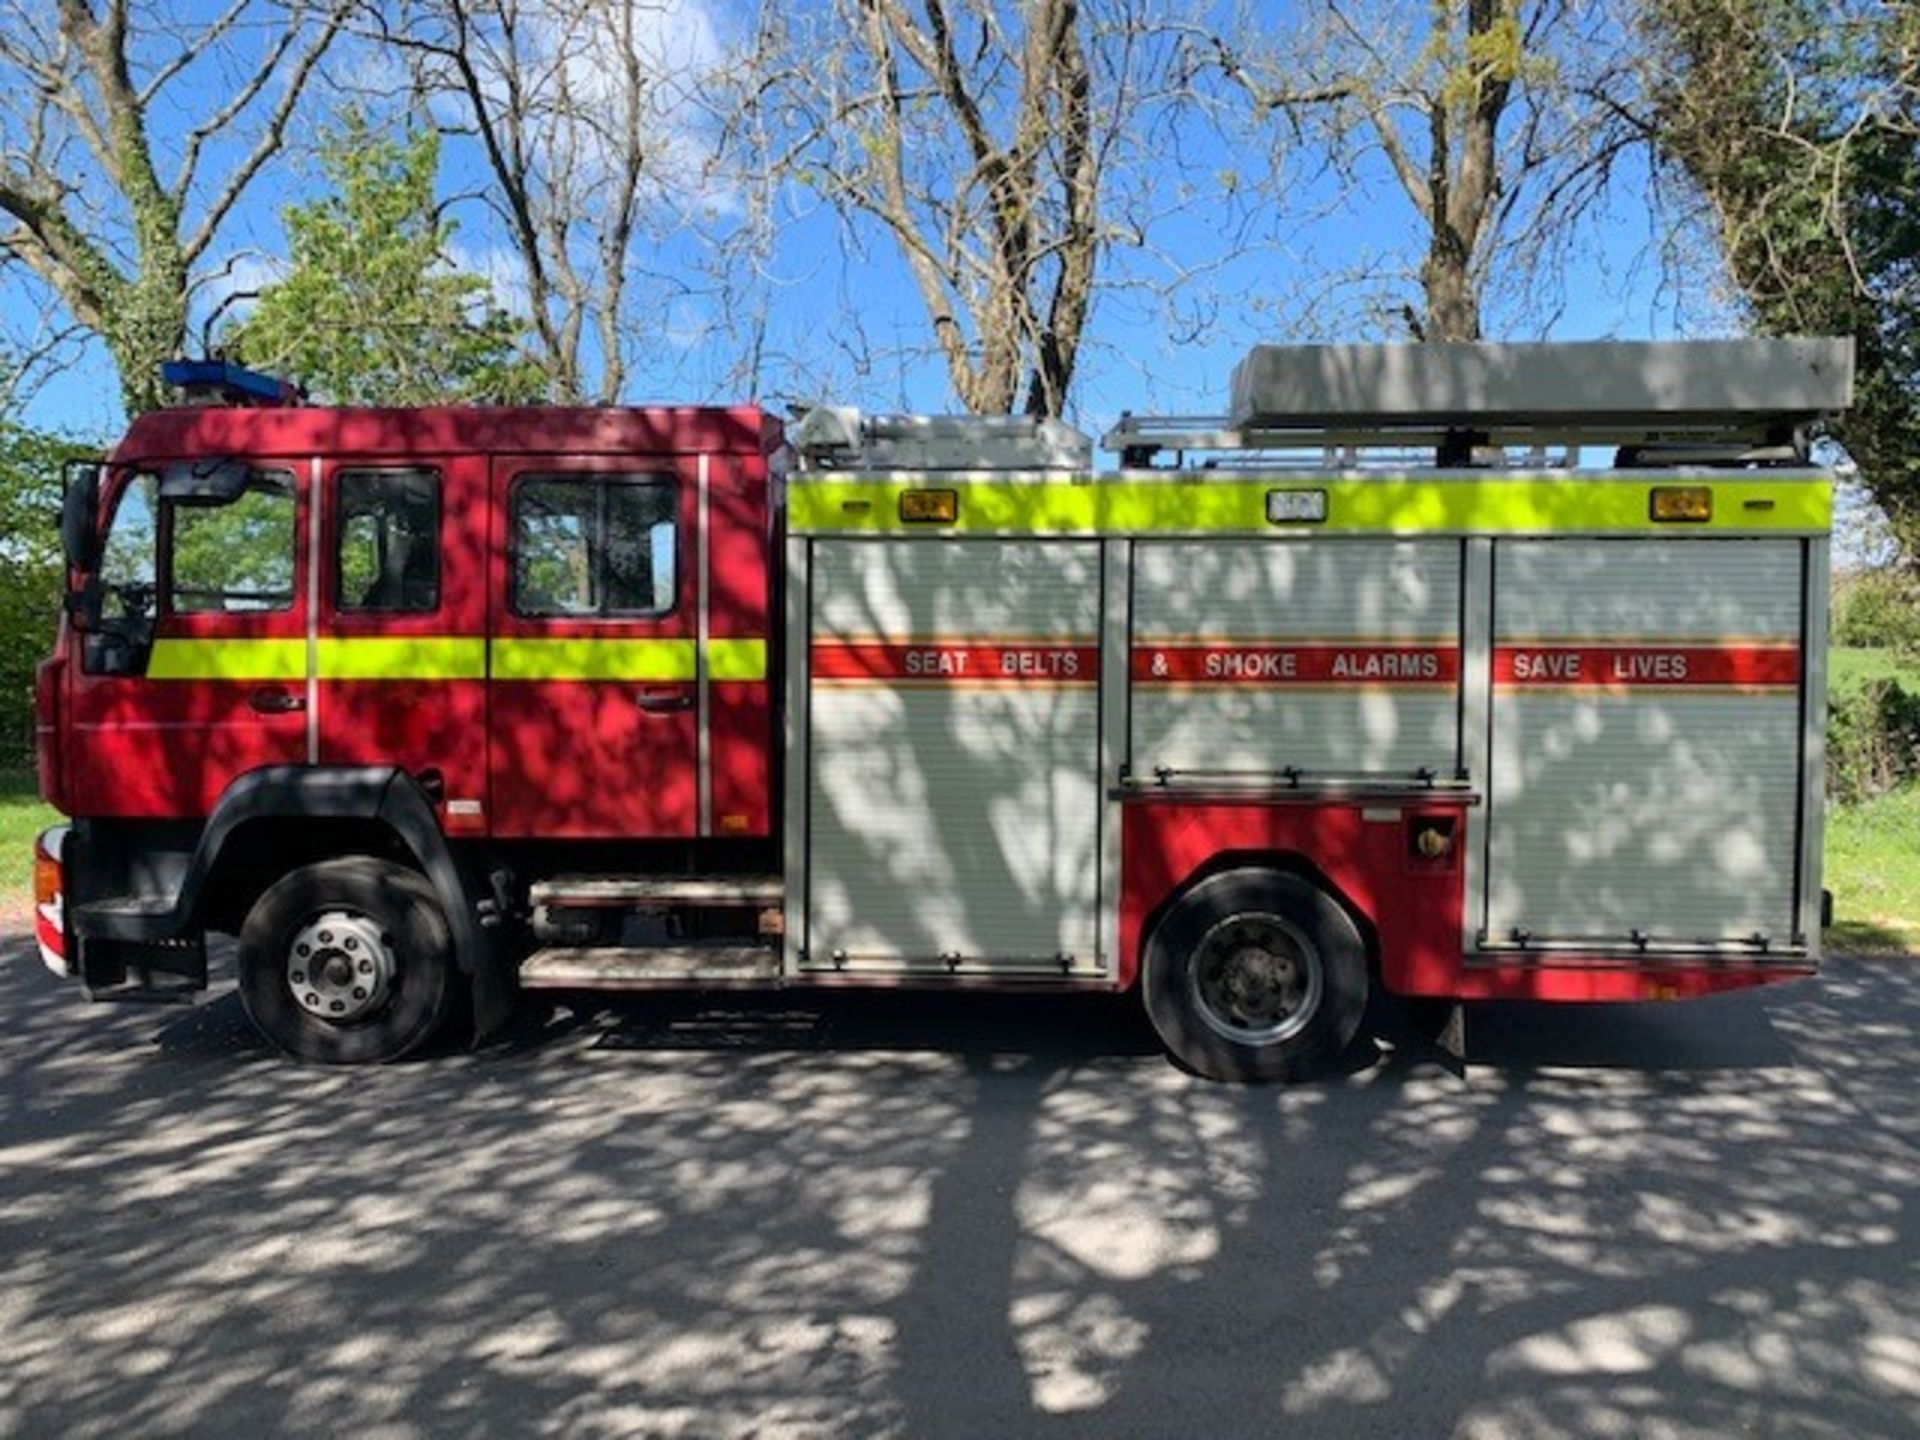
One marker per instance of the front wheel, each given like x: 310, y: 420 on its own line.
x: 1256, y: 975
x: 347, y: 962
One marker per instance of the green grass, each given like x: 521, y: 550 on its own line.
x: 22, y: 816
x: 1873, y: 870
x: 1873, y: 849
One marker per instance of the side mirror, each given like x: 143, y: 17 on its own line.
x: 83, y: 604
x: 216, y: 482
x: 79, y: 507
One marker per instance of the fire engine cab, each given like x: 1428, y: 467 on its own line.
x: 1454, y: 672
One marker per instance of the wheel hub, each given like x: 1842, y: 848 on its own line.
x: 1256, y: 979
x: 340, y: 966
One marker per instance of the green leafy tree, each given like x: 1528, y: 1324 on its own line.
x: 1797, y: 124
x: 31, y: 572
x: 370, y: 311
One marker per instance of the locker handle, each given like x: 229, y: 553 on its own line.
x: 273, y: 700
x: 656, y: 702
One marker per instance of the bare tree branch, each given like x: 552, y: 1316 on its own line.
x: 988, y: 140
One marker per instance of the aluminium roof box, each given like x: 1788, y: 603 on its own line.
x: 1297, y: 386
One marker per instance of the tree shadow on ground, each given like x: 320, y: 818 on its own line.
x: 963, y: 1215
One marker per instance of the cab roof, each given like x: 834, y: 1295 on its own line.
x: 293, y: 432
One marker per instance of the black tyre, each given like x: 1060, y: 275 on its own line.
x: 347, y: 962
x: 1256, y: 975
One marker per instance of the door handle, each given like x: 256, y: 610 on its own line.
x: 663, y: 702
x: 275, y: 701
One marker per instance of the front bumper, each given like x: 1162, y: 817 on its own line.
x: 49, y: 902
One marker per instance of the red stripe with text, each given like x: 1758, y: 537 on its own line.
x: 1633, y: 667
x: 1224, y: 663
x: 958, y: 663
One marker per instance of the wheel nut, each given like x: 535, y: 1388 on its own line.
x: 366, y: 967
x: 326, y: 937
x: 303, y: 950
x: 352, y: 944
x: 299, y: 977
x: 358, y: 993
x: 337, y: 1006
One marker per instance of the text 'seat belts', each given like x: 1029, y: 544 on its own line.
x: 956, y: 662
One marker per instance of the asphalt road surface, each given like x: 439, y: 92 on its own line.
x: 964, y: 1216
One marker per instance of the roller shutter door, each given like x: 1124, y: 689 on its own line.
x: 1338, y: 659
x: 953, y: 795
x: 1646, y: 741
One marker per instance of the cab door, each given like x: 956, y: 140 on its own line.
x: 217, y: 685
x: 593, y: 657
x: 402, y: 647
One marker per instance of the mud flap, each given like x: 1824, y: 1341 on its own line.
x: 495, y: 980
x: 1451, y: 1039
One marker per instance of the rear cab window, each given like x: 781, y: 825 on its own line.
x: 594, y: 545
x: 387, y: 544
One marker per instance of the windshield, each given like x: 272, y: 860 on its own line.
x: 196, y: 556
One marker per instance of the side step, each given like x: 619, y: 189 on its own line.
x: 662, y: 891
x: 649, y: 967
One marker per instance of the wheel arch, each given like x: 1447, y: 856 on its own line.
x: 274, y: 820
x: 1286, y: 862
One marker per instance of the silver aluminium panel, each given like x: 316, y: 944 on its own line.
x: 1339, y: 658
x: 1813, y: 726
x: 953, y: 798
x: 1503, y: 382
x: 1646, y: 742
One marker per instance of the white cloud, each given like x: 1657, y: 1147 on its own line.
x: 499, y: 265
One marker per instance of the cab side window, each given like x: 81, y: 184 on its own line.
x: 594, y: 545
x: 238, y: 556
x: 387, y: 551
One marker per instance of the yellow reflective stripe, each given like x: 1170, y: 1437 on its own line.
x: 1506, y: 504
x: 736, y: 659
x: 403, y: 657
x: 179, y: 659
x: 593, y: 659
x: 455, y: 657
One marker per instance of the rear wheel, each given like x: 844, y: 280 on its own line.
x: 347, y: 962
x: 1256, y: 975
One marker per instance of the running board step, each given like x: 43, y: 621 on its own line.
x: 664, y: 891
x: 646, y: 967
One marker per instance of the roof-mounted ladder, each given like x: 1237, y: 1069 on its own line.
x: 1665, y: 402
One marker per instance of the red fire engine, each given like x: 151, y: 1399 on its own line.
x: 1376, y: 683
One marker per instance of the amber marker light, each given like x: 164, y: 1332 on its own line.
x: 1682, y: 503
x: 930, y: 507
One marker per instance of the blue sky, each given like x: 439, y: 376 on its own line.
x: 831, y: 298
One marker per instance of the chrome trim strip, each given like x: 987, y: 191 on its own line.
x: 313, y: 612
x: 1115, y: 684
x: 793, y: 862
x: 1476, y: 726
x: 1813, y: 733
x: 703, y: 545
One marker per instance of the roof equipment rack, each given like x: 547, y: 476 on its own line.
x: 840, y: 437
x: 1664, y: 401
